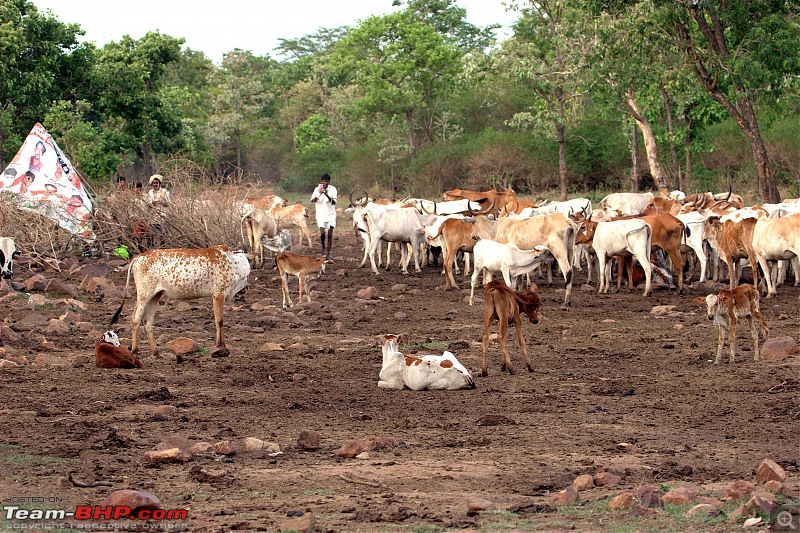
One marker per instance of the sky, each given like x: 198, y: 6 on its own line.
x: 216, y: 27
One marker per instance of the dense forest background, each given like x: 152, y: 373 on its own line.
x: 585, y: 96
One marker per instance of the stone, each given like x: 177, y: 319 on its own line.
x: 773, y: 486
x: 43, y: 359
x: 761, y: 502
x: 35, y: 300
x: 400, y: 315
x: 778, y: 348
x: 663, y: 309
x: 175, y: 441
x: 351, y: 449
x: 399, y: 287
x: 271, y: 347
x: 252, y: 444
x: 606, y: 479
x: 272, y: 447
x: 57, y: 327
x: 200, y: 447
x: 738, y: 490
x: 302, y: 524
x: 70, y: 317
x: 90, y: 284
x: 475, y: 504
x: 679, y: 496
x: 625, y: 500
x: 172, y: 455
x: 37, y: 282
x: 56, y: 286
x: 165, y: 410
x: 298, y: 346
x: 567, y: 496
x: 31, y: 322
x: 648, y: 496
x: 752, y: 522
x: 363, y: 455
x: 308, y: 440
x: 368, y: 293
x: 224, y: 447
x: 703, y: 509
x: 136, y: 500
x: 769, y: 470
x: 5, y: 363
x: 86, y: 327
x: 99, y: 269
x: 8, y: 334
x: 183, y: 346
x: 583, y: 482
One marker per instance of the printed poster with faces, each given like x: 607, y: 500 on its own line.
x: 40, y: 178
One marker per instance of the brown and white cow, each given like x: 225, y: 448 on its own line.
x: 109, y: 354
x: 505, y: 306
x: 732, y: 241
x: 421, y: 372
x: 490, y: 201
x: 267, y: 202
x: 726, y: 308
x: 293, y: 215
x: 183, y: 274
x: 259, y: 223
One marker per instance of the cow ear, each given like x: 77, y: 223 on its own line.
x: 700, y: 300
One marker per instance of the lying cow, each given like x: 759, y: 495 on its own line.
x: 109, y: 354
x: 184, y: 274
x: 726, y: 308
x: 505, y: 306
x: 421, y: 372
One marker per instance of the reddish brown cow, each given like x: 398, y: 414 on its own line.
x: 733, y: 241
x: 109, y: 354
x: 489, y: 200
x: 505, y: 305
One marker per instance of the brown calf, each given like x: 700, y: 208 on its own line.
x: 300, y: 266
x: 726, y: 308
x: 733, y: 241
x: 505, y: 305
x: 109, y: 354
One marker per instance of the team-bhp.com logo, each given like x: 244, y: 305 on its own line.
x: 94, y: 512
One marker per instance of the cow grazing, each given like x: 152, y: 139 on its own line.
x: 625, y: 203
x: 109, y: 354
x: 421, y: 372
x: 259, y: 223
x: 490, y: 200
x: 726, y: 308
x: 505, y: 306
x: 506, y: 258
x: 184, y: 274
x: 301, y: 266
x: 774, y: 240
x: 8, y: 250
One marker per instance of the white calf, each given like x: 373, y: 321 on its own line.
x: 506, y: 258
x: 425, y: 372
x: 626, y: 238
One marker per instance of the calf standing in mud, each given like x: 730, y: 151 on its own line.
x: 505, y: 305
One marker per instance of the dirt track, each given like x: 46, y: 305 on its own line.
x: 606, y: 372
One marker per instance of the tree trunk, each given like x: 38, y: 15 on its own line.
x: 635, y: 157
x: 687, y: 176
x: 238, y: 134
x: 649, y: 144
x: 676, y: 168
x: 412, y: 142
x: 562, y: 150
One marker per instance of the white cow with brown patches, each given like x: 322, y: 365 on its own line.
x: 421, y: 372
x: 184, y: 274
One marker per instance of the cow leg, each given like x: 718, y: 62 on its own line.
x: 732, y: 337
x: 149, y: 316
x: 415, y: 254
x: 754, y: 333
x: 468, y: 254
x: 219, y: 312
x: 136, y: 320
x: 488, y: 317
x: 767, y: 277
x: 677, y: 261
x: 602, y: 265
x: 505, y: 359
x: 648, y: 276
x: 285, y: 291
x: 303, y: 288
x: 521, y: 341
x: 720, y: 345
x: 474, y: 282
x: 449, y: 262
x: 305, y: 231
x: 565, y: 266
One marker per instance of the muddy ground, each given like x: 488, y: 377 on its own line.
x: 607, y: 372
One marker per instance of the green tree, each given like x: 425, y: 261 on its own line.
x: 738, y: 50
x: 450, y: 21
x: 400, y: 65
x: 132, y: 99
x: 313, y: 133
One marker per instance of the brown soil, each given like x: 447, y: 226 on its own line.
x: 606, y: 372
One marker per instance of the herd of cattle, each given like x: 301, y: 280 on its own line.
x: 504, y: 235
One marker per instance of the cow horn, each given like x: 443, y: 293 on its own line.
x: 422, y: 206
x: 730, y: 192
x: 473, y: 212
x: 516, y: 206
x: 491, y: 209
x: 351, y: 198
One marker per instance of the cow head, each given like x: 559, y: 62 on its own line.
x: 713, y: 303
x: 111, y: 338
x: 8, y: 251
x: 529, y: 303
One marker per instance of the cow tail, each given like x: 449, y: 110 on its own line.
x: 570, y: 239
x: 124, y: 296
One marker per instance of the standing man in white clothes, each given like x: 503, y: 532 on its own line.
x: 324, y: 198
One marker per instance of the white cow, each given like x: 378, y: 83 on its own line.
x: 184, y: 274
x: 626, y: 203
x: 393, y: 225
x: 506, y: 258
x: 774, y: 240
x: 259, y: 223
x: 626, y: 238
x: 695, y: 235
x: 421, y: 372
x: 8, y: 250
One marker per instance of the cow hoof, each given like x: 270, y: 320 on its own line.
x: 220, y: 352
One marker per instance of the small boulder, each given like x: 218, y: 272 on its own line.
x: 165, y: 410
x: 368, y: 293
x: 703, y: 509
x: 171, y: 455
x: 57, y: 327
x: 769, y: 470
x: 200, y: 447
x: 476, y: 504
x: 175, y: 441
x: 224, y: 447
x: 606, y: 479
x: 183, y: 346
x: 773, y: 486
x: 136, y: 500
x: 679, y: 496
x: 738, y: 490
x: 308, y: 440
x: 778, y: 348
x: 50, y: 360
x: 648, y: 496
x: 625, y: 500
x: 567, y: 496
x: 252, y: 444
x: 86, y: 327
x: 663, y: 309
x: 31, y: 322
x: 583, y: 482
x: 303, y: 524
x: 56, y: 286
x: 37, y: 282
x: 271, y: 347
